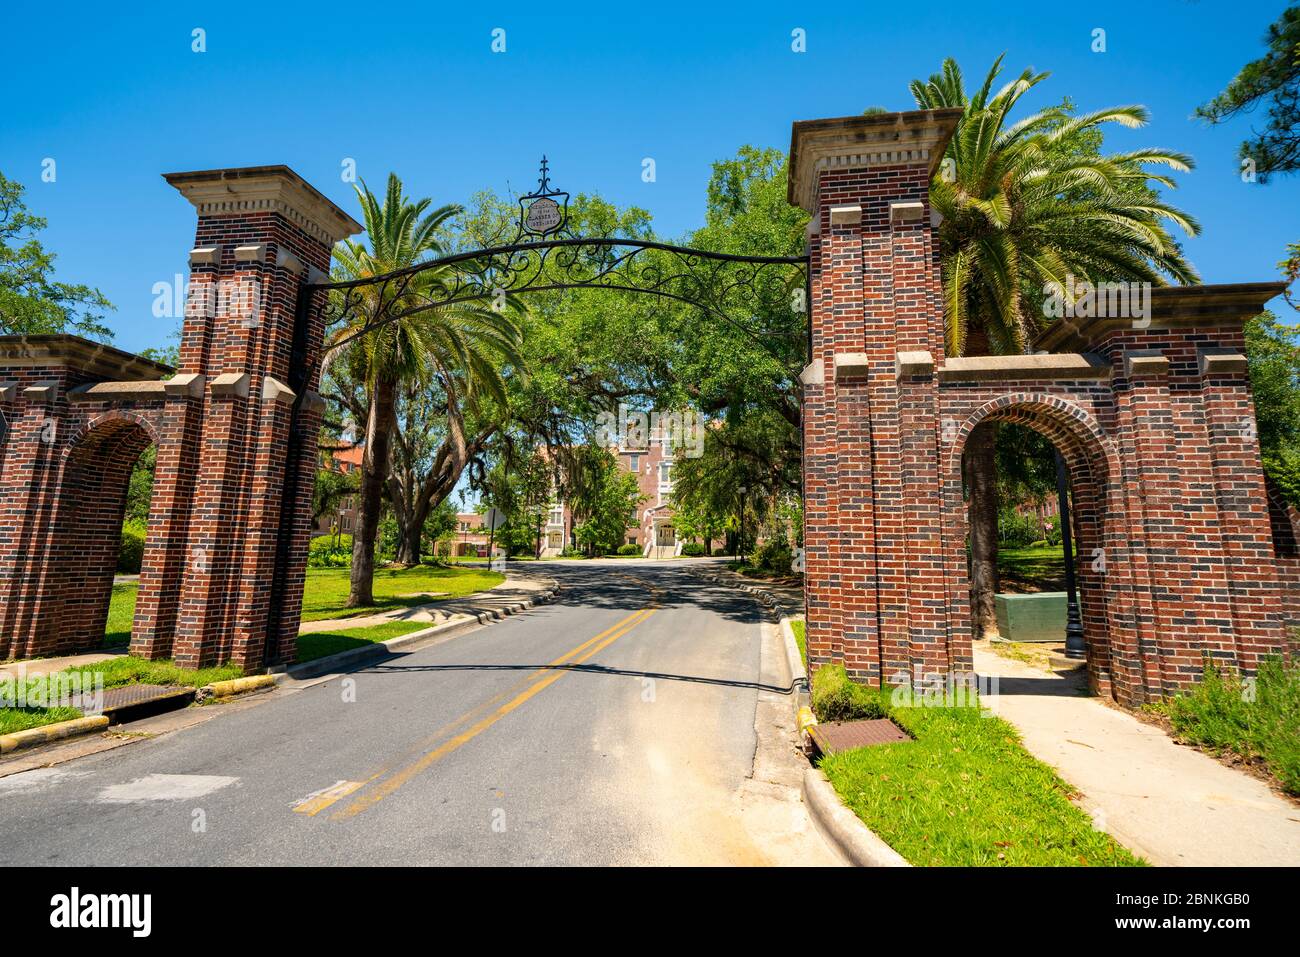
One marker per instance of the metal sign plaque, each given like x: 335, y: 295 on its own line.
x: 544, y: 212
x: 544, y: 216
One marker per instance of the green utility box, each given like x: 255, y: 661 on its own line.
x: 1035, y: 617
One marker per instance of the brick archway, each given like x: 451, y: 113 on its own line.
x: 1153, y: 414
x: 1094, y: 468
x: 1157, y: 415
x: 83, y: 550
x: 235, y: 429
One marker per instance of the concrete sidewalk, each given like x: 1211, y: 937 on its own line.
x: 48, y: 666
x: 1165, y: 801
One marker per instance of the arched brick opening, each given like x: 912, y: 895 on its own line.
x: 1093, y: 467
x: 87, y: 526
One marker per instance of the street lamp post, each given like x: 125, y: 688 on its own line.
x: 1074, y: 644
x: 740, y: 542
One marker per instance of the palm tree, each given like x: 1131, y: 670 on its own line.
x: 459, y: 345
x: 1027, y: 205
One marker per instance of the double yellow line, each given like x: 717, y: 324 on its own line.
x: 548, y: 675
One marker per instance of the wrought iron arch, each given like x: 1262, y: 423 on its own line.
x: 545, y: 256
x: 718, y: 283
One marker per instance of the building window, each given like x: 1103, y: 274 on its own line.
x: 665, y: 472
x: 633, y: 463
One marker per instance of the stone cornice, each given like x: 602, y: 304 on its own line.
x: 1009, y: 368
x: 146, y: 391
x: 859, y: 142
x: 95, y: 359
x: 260, y: 189
x: 1172, y: 307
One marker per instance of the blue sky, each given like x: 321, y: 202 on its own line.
x: 118, y: 98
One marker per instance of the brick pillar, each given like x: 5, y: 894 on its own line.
x: 262, y: 232
x: 29, y: 602
x: 874, y: 559
x: 1143, y: 429
x: 1254, y: 623
x: 163, y: 569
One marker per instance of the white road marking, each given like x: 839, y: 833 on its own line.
x: 164, y: 787
x: 36, y: 778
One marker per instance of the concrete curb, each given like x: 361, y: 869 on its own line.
x: 798, y: 673
x: 18, y: 740
x: 236, y: 686
x: 839, y: 826
x: 382, y: 649
x: 843, y: 829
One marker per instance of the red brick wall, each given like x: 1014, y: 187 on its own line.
x: 231, y: 558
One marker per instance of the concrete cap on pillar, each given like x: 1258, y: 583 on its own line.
x: 256, y: 189
x: 858, y: 142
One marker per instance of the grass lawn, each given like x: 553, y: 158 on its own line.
x: 800, y: 629
x: 21, y: 719
x: 1032, y: 569
x: 327, y: 592
x: 966, y: 793
x: 321, y: 643
x: 327, y: 588
x: 121, y: 610
x: 129, y: 670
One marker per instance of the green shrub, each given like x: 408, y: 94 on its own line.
x: 1017, y: 530
x: 1257, y: 718
x: 130, y: 554
x: 693, y: 549
x: 329, y: 551
x: 629, y: 549
x: 774, y: 555
x: 836, y: 697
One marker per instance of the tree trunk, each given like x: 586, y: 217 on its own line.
x: 370, y: 500
x: 409, y: 543
x: 981, y: 476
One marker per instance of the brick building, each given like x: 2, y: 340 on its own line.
x: 652, y: 527
x: 342, y: 518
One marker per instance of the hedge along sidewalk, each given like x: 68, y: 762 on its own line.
x: 1173, y: 804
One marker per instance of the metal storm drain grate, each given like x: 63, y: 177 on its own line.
x: 842, y: 735
x: 128, y: 697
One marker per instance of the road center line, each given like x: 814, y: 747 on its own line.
x: 550, y: 674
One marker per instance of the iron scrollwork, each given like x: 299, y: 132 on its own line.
x: 545, y: 256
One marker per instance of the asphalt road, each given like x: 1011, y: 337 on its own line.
x: 637, y: 745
